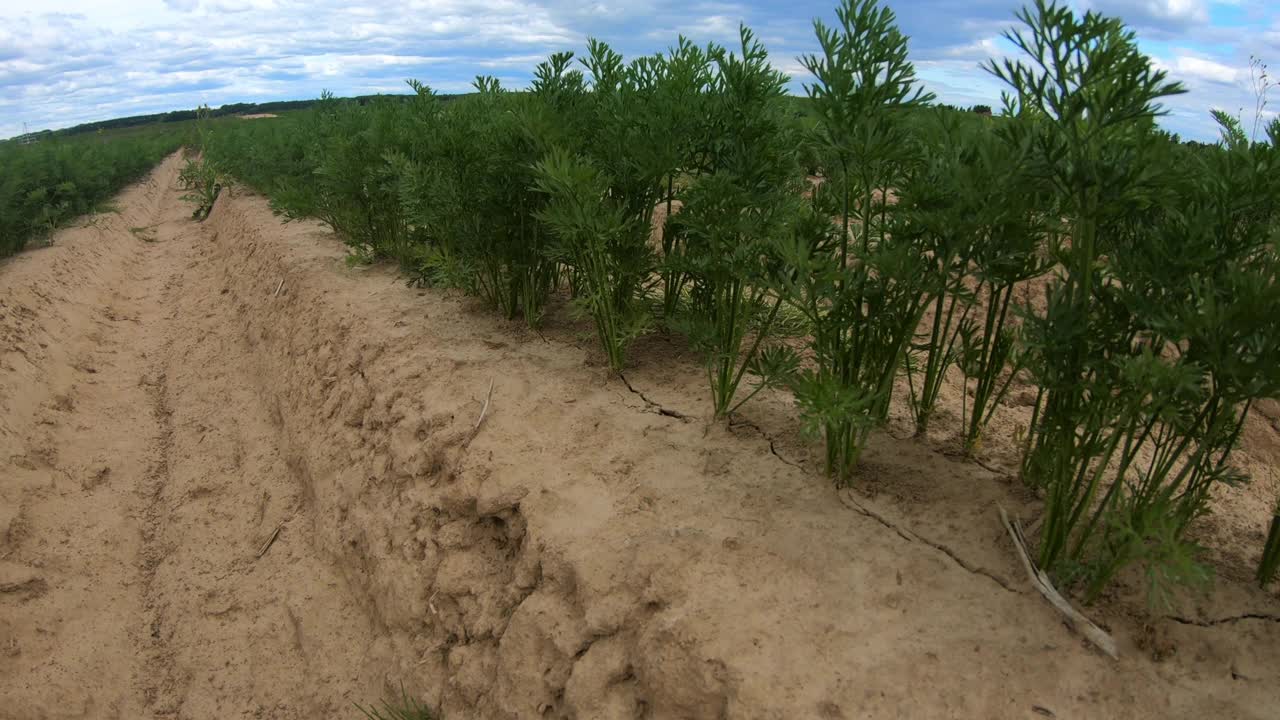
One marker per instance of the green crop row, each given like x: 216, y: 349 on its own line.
x: 46, y: 184
x: 686, y: 190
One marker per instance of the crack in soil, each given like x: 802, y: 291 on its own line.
x: 905, y: 534
x: 773, y: 448
x: 1224, y: 621
x: 656, y: 407
x: 992, y: 469
x: 960, y: 456
x: 850, y: 502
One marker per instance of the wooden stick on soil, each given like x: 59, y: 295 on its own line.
x: 277, y: 292
x: 1040, y: 581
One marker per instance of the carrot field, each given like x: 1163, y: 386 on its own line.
x: 686, y: 192
x: 671, y: 386
x: 49, y: 183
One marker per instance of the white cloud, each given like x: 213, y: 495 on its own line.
x: 75, y: 61
x: 59, y: 69
x: 1189, y: 68
x: 1156, y: 14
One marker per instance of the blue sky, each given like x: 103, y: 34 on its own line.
x: 64, y: 62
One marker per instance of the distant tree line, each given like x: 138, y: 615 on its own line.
x: 979, y: 109
x: 182, y: 115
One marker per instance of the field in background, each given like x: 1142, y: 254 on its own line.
x: 50, y: 182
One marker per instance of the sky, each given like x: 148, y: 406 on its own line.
x: 64, y: 62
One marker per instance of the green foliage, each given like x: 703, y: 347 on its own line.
x: 975, y: 208
x: 604, y: 245
x: 271, y: 156
x: 468, y: 187
x: 333, y: 165
x: 862, y: 287
x: 677, y: 114
x: 1089, y: 97
x: 748, y: 195
x: 406, y: 707
x: 200, y: 176
x: 356, y: 191
x: 47, y: 184
x: 1149, y: 341
x: 1149, y: 349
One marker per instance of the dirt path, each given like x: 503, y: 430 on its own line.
x: 239, y: 479
x: 78, y: 435
x: 142, y: 480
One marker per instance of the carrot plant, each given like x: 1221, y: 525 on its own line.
x: 859, y: 285
x: 351, y: 182
x: 1191, y: 277
x: 1149, y: 348
x: 679, y: 110
x: 1008, y: 252
x: 606, y: 246
x: 602, y: 198
x: 627, y: 134
x: 973, y: 205
x: 940, y: 206
x: 731, y: 215
x: 1095, y: 99
x: 469, y: 192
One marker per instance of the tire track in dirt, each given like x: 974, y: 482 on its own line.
x: 247, y: 619
x: 158, y: 681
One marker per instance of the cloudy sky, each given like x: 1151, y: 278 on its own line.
x: 64, y: 62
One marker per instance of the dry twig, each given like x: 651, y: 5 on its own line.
x: 483, y: 411
x: 1041, y: 582
x: 267, y: 545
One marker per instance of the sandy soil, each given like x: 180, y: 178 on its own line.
x: 226, y: 496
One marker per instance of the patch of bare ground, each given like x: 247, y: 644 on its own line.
x: 139, y: 475
x: 257, y: 489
